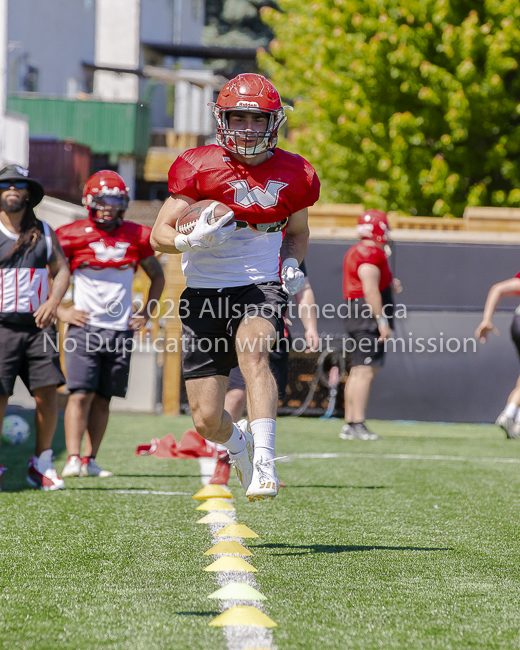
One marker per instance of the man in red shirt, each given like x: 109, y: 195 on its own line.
x: 237, y: 269
x: 104, y: 252
x: 367, y: 286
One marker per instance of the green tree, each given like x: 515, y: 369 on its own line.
x: 403, y: 106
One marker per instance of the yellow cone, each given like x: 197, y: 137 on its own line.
x: 226, y: 548
x: 209, y: 491
x: 237, y: 530
x: 215, y: 518
x: 230, y: 563
x: 215, y: 504
x: 243, y: 615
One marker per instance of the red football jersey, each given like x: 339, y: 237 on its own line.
x: 260, y: 194
x: 85, y: 245
x: 361, y: 253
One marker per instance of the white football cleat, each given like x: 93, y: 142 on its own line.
x: 265, y: 482
x: 72, y: 467
x: 89, y: 467
x: 508, y: 425
x: 243, y: 461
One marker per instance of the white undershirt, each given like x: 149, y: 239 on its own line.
x: 247, y: 257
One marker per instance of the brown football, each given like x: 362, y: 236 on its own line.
x: 186, y: 222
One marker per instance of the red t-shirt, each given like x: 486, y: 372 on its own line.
x: 361, y: 253
x: 267, y: 193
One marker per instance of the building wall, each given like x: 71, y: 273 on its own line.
x: 54, y: 37
x: 118, y: 45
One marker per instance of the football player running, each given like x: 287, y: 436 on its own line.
x: 104, y: 252
x: 236, y: 295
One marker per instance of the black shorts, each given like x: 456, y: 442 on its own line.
x: 279, y: 364
x: 210, y: 320
x: 515, y: 332
x: 362, y: 348
x: 97, y: 360
x: 30, y: 353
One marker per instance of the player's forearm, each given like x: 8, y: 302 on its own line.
x: 307, y: 309
x: 492, y: 301
x: 154, y: 293
x: 60, y: 284
x: 162, y: 239
x: 373, y: 300
x: 294, y: 246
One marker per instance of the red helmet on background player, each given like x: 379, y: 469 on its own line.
x: 251, y: 93
x: 373, y: 224
x: 106, y: 190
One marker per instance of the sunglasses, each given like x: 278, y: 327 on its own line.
x: 19, y: 185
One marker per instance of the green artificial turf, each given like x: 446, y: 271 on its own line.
x: 375, y: 548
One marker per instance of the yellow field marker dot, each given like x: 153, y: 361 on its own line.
x: 237, y: 591
x: 215, y: 518
x: 226, y: 548
x: 215, y: 504
x: 243, y: 615
x: 237, y: 530
x: 209, y: 491
x: 231, y: 563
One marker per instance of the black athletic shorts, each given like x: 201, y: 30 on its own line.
x: 362, y: 348
x: 279, y: 364
x: 30, y: 353
x: 210, y: 320
x: 515, y: 332
x: 97, y: 360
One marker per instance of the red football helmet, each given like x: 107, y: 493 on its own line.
x: 373, y: 224
x: 106, y: 189
x: 252, y: 93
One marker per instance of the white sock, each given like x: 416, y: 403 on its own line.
x: 237, y: 442
x: 264, y: 430
x: 510, y: 410
x: 517, y: 416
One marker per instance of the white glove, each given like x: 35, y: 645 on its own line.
x: 206, y: 235
x: 292, y: 277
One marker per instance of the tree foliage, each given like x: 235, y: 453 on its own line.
x: 403, y: 106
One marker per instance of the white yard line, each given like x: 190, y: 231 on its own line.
x: 163, y: 494
x: 460, y: 459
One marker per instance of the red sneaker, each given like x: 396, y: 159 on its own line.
x: 2, y: 470
x: 221, y: 473
x: 42, y: 474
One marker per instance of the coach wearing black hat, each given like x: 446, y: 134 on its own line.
x: 29, y: 255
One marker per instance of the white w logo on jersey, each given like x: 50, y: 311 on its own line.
x: 106, y: 253
x: 247, y: 197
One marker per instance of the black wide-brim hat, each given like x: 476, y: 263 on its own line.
x: 17, y: 173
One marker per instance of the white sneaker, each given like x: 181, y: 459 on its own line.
x: 72, y: 467
x: 89, y: 467
x: 265, y: 482
x: 41, y: 473
x: 507, y: 424
x: 243, y: 461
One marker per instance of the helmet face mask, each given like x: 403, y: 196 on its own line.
x: 250, y: 93
x: 106, y: 198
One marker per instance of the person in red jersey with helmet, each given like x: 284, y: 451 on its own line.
x: 29, y: 256
x: 367, y: 286
x: 104, y: 252
x: 236, y: 267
